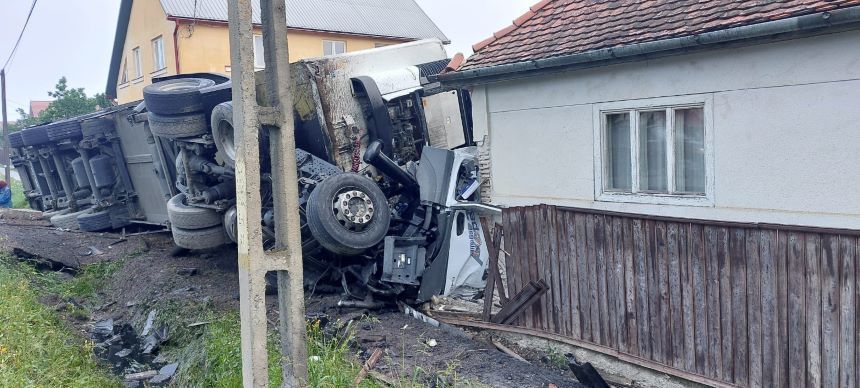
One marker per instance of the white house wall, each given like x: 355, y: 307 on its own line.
x: 786, y: 131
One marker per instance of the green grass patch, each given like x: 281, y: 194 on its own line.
x: 90, y: 279
x: 18, y: 199
x: 216, y: 359
x: 36, y: 349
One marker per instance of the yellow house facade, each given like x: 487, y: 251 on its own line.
x: 157, y: 38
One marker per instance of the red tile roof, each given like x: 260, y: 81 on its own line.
x: 554, y: 28
x: 37, y: 107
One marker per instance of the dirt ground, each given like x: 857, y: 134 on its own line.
x: 151, y: 277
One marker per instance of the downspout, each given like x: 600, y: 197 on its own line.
x: 176, y: 44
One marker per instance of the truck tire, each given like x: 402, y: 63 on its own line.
x: 199, y: 238
x: 176, y: 96
x: 94, y: 221
x: 325, y: 216
x: 15, y: 140
x: 34, y: 136
x: 222, y: 133
x: 68, y: 220
x: 96, y: 127
x: 63, y: 130
x: 48, y: 215
x: 178, y: 126
x: 189, y: 217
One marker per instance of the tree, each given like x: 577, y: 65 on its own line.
x: 68, y: 102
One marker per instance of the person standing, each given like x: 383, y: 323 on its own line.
x: 5, y: 195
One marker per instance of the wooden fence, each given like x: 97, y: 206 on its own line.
x: 741, y: 304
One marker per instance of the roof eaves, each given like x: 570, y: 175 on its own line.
x: 810, y: 24
x: 118, y: 45
x: 533, y: 10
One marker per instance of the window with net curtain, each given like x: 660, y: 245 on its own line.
x: 656, y: 151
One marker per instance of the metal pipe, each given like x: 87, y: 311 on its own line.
x: 807, y: 23
x: 64, y: 180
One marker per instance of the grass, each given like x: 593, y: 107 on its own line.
x: 18, y: 200
x: 216, y: 360
x: 36, y: 349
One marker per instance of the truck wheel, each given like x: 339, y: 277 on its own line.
x: 199, y: 238
x: 63, y: 130
x: 94, y: 221
x: 348, y: 213
x: 178, y: 126
x: 222, y: 132
x: 15, y: 140
x: 96, y: 127
x: 176, y: 96
x: 189, y: 217
x: 34, y: 136
x: 68, y: 221
x: 48, y: 215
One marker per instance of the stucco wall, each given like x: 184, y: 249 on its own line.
x: 205, y: 47
x: 147, y: 22
x: 785, y: 130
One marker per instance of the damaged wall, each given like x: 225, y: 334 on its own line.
x: 783, y: 125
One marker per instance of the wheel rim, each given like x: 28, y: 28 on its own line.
x: 353, y: 209
x: 182, y: 85
x: 225, y: 139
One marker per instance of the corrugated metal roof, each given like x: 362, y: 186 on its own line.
x: 388, y: 18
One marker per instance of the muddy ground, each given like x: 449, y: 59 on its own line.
x: 151, y: 278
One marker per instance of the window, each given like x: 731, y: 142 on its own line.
x: 333, y: 47
x: 259, y: 57
x: 158, y: 53
x: 138, y: 72
x: 124, y: 78
x: 653, y: 154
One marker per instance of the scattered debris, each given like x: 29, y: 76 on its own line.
x: 508, y: 351
x: 164, y: 374
x: 585, y: 373
x: 432, y: 343
x: 360, y: 304
x: 195, y: 324
x: 371, y: 362
x: 123, y: 353
x: 494, y: 277
x: 530, y: 294
x: 141, y: 375
x: 154, y: 340
x: 314, y: 358
x: 104, y: 327
x: 187, y: 271
x: 95, y: 251
x: 148, y: 326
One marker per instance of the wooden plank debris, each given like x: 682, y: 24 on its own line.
x: 521, y: 301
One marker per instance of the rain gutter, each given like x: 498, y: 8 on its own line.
x: 807, y: 25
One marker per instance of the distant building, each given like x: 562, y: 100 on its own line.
x: 36, y: 107
x: 166, y: 37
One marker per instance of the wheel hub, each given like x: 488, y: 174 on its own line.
x: 353, y: 209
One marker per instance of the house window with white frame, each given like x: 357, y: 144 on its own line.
x: 333, y: 47
x: 138, y: 68
x: 259, y: 53
x: 654, y: 151
x: 158, y: 54
x: 124, y: 78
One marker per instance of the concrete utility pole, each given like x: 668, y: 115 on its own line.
x: 7, y: 150
x: 286, y: 258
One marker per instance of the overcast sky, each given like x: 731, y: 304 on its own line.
x: 74, y: 38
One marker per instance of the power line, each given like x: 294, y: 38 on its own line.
x: 21, y: 35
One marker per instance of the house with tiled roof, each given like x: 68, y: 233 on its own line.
x: 701, y: 149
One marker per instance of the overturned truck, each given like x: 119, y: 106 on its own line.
x: 388, y: 171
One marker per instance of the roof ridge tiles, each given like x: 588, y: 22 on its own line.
x: 531, y: 12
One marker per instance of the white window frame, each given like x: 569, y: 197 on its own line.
x: 124, y: 76
x: 138, y: 65
x: 259, y: 56
x: 333, y: 43
x: 704, y: 101
x: 158, y: 61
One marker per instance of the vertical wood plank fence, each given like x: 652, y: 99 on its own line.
x: 741, y: 304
